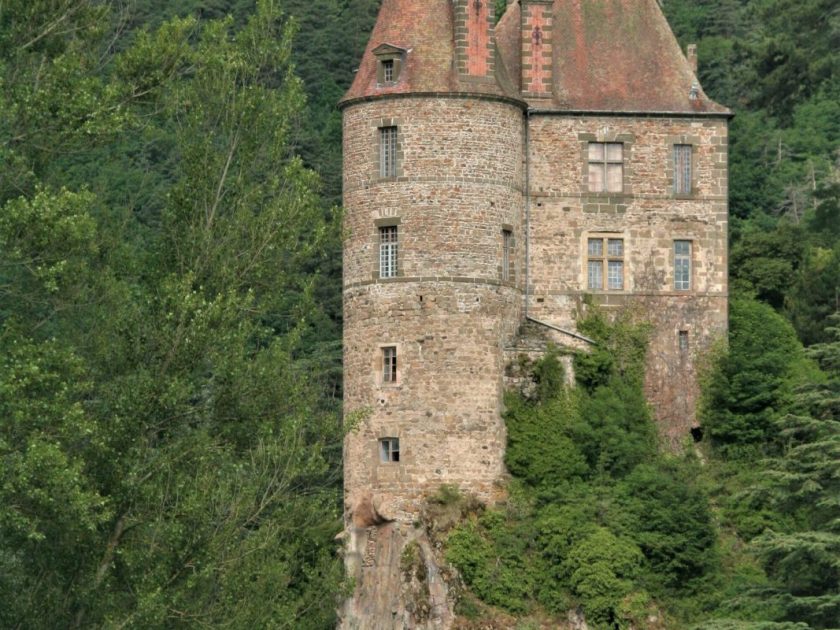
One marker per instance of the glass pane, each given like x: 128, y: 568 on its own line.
x: 596, y: 271
x: 615, y: 247
x: 615, y: 275
x: 596, y: 151
x: 596, y: 177
x: 596, y: 247
x: 682, y: 248
x: 615, y: 177
x: 682, y: 274
x: 615, y: 151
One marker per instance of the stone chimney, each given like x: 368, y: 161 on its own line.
x: 537, y: 29
x: 691, y: 55
x: 474, y: 35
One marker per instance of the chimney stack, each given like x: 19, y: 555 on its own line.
x: 474, y: 35
x: 537, y: 64
x: 691, y: 55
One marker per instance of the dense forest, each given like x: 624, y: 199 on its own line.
x: 170, y: 369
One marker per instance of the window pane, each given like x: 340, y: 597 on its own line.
x: 615, y: 177
x: 596, y: 151
x: 388, y: 70
x: 683, y: 340
x: 595, y: 273
x: 682, y: 248
x: 615, y: 275
x: 615, y: 247
x: 388, y: 250
x: 388, y: 151
x: 615, y: 151
x: 596, y: 177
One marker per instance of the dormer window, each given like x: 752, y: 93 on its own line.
x: 389, y: 60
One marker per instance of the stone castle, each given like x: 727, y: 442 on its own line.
x: 495, y: 173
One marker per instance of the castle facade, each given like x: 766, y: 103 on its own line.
x: 494, y: 175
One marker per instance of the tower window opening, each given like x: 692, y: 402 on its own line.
x: 682, y: 265
x: 388, y: 251
x: 507, y: 255
x: 388, y: 71
x: 389, y: 364
x: 388, y: 151
x: 389, y: 450
x: 683, y: 341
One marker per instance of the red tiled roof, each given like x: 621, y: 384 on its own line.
x: 617, y: 55
x: 425, y: 29
x: 609, y: 55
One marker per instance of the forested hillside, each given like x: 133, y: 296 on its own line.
x: 170, y: 432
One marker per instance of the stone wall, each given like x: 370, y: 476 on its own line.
x: 448, y: 312
x: 648, y: 216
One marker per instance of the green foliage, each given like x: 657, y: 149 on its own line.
x: 753, y: 382
x: 168, y: 458
x: 598, y: 518
x: 601, y: 569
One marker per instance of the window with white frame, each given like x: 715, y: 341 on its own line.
x: 389, y: 364
x: 682, y: 265
x: 388, y: 70
x: 388, y: 251
x: 682, y: 169
x: 606, y: 167
x: 389, y: 450
x: 507, y: 255
x: 605, y: 263
x: 388, y: 151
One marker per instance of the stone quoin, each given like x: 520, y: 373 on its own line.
x: 495, y: 173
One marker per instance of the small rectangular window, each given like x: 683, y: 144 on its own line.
x: 682, y: 265
x: 389, y: 450
x: 388, y: 151
x: 389, y: 364
x: 609, y: 266
x: 682, y: 169
x: 388, y: 70
x: 388, y: 251
x: 507, y: 255
x: 683, y: 340
x: 606, y: 167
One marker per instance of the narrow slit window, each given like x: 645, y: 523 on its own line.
x: 683, y: 341
x: 388, y: 251
x: 682, y: 265
x: 606, y: 167
x: 507, y: 255
x: 389, y: 364
x: 389, y: 450
x: 388, y: 151
x: 682, y: 169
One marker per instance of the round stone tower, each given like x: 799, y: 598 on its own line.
x: 433, y: 250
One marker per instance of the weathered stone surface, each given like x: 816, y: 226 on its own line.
x: 483, y: 151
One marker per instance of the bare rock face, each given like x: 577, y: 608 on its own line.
x: 398, y: 579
